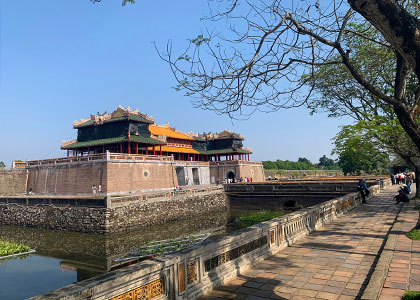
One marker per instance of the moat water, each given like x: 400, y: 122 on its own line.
x: 63, y: 257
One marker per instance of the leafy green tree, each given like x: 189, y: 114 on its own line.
x: 376, y: 120
x: 355, y: 153
x: 327, y: 163
x: 385, y: 132
x: 2, y: 165
x: 289, y: 165
x: 304, y: 160
x: 269, y: 165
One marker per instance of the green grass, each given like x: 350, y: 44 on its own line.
x: 411, y: 295
x: 8, y: 248
x: 258, y: 217
x: 414, y: 234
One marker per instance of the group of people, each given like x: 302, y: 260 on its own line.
x: 96, y: 190
x: 406, y: 178
x: 234, y: 180
x: 403, y: 192
x: 402, y: 178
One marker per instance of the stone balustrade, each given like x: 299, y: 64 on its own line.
x: 96, y: 157
x: 192, y: 272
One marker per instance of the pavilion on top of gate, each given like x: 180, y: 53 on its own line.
x: 122, y: 131
x: 131, y: 132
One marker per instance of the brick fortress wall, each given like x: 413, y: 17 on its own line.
x: 69, y: 178
x: 115, y: 177
x: 127, y: 176
x: 140, y: 176
x: 13, y: 182
x: 220, y: 169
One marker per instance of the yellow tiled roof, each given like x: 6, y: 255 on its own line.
x: 164, y: 130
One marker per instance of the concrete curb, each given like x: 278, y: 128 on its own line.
x: 17, y: 254
x: 378, y: 277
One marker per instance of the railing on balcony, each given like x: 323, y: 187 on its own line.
x: 241, y: 162
x: 192, y: 163
x: 96, y: 157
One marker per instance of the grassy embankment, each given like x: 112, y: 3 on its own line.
x: 411, y: 295
x: 414, y: 234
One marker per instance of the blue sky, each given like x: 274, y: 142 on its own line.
x: 61, y: 61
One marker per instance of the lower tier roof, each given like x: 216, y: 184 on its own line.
x: 115, y: 140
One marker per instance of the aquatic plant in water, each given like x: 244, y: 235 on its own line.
x: 164, y: 246
x: 9, y: 248
x: 258, y: 217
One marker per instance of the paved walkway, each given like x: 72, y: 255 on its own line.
x: 404, y: 269
x: 334, y: 262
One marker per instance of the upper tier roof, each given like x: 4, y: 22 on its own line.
x: 225, y: 134
x: 120, y: 114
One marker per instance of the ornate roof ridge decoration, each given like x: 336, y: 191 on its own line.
x: 66, y: 143
x: 164, y: 126
x: 98, y: 119
x: 224, y: 134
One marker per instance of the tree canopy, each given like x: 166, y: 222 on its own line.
x: 356, y: 153
x: 302, y: 164
x: 267, y: 55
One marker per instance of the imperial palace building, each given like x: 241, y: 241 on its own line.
x: 125, y: 152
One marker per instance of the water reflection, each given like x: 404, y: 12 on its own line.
x: 33, y: 275
x: 65, y: 257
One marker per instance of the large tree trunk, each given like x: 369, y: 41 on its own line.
x: 417, y: 180
x: 418, y: 222
x: 399, y: 28
x: 409, y: 125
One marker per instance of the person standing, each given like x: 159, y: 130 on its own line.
x: 363, y: 189
x: 408, y: 183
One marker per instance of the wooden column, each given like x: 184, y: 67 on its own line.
x: 160, y: 149
x: 129, y: 147
x: 154, y: 150
x: 120, y: 147
x: 137, y: 148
